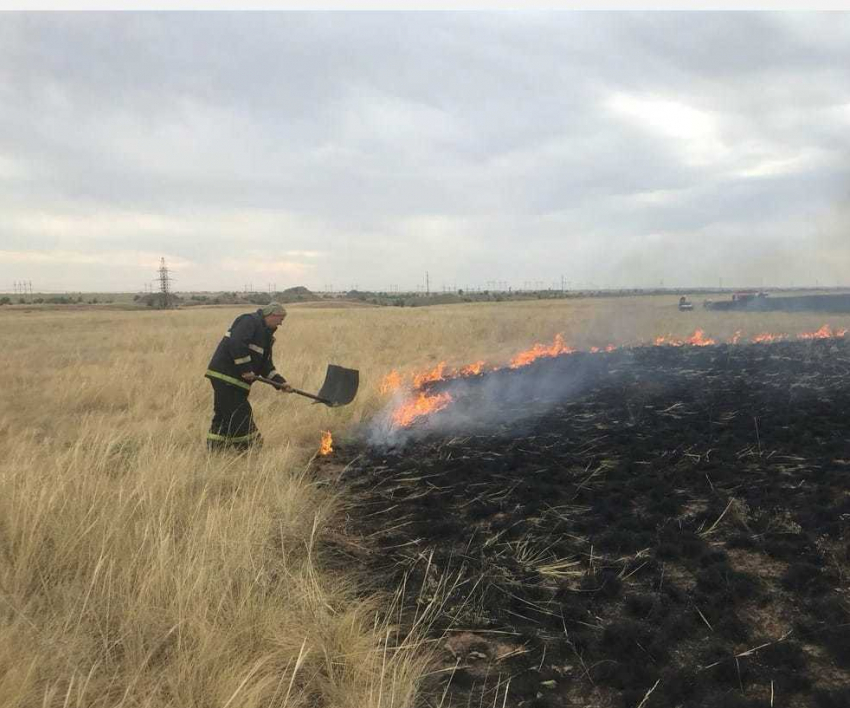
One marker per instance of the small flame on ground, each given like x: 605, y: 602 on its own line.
x: 697, y: 339
x: 326, y: 448
x: 767, y: 337
x: 700, y: 340
x: 541, y: 350
x: 472, y: 369
x: 436, y: 374
x: 422, y: 405
x: 391, y: 382
x: 823, y: 333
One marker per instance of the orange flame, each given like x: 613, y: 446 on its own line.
x: 700, y: 340
x: 472, y: 369
x: 436, y: 374
x: 697, y: 339
x: 326, y: 448
x: 767, y: 337
x: 823, y: 333
x: 423, y: 405
x: 541, y: 350
x: 391, y: 382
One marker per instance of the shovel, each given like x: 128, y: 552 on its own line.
x: 339, y: 388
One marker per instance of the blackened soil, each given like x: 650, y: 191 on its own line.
x: 679, y: 523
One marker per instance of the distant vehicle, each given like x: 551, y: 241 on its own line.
x: 741, y: 300
x: 685, y: 304
x: 744, y: 295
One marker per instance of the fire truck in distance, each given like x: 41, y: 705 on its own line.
x: 745, y: 295
x: 741, y: 300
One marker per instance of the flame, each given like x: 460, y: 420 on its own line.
x: 541, y: 350
x: 767, y: 337
x: 700, y: 340
x: 668, y: 341
x: 823, y: 333
x: 326, y: 448
x: 697, y: 339
x: 422, y: 405
x: 472, y: 369
x: 436, y: 374
x: 391, y: 382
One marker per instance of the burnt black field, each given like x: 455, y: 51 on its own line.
x: 667, y: 528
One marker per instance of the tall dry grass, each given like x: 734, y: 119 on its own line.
x: 137, y: 570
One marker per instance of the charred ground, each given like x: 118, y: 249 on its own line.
x: 675, y: 519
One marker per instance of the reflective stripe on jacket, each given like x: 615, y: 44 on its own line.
x: 246, y: 346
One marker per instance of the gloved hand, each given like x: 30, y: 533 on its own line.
x: 249, y: 376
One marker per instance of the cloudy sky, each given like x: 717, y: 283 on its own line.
x: 346, y: 149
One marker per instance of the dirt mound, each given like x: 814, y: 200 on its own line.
x: 674, y: 532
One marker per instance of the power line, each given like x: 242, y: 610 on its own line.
x: 22, y: 287
x: 164, y: 281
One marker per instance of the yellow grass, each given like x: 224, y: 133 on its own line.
x: 137, y: 570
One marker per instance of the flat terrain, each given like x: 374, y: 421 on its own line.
x: 599, y: 526
x: 137, y: 570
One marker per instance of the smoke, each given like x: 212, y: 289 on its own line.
x: 507, y: 400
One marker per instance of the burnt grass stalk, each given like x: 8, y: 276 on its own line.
x: 622, y: 542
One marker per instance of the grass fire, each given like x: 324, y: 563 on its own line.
x: 424, y: 360
x: 664, y: 523
x: 590, y: 503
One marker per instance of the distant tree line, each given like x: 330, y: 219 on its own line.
x: 54, y: 300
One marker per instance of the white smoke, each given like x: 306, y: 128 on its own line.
x: 502, y: 400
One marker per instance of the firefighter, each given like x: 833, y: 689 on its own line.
x: 243, y: 354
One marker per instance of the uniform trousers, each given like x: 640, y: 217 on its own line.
x: 233, y: 419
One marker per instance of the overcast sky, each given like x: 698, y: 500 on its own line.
x: 338, y: 149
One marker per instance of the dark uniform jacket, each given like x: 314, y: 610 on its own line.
x: 246, y: 346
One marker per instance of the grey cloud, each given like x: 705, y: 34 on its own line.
x: 363, y: 135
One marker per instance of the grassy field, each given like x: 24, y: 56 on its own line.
x: 136, y: 570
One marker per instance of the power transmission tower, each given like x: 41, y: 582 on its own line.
x: 164, y: 280
x: 22, y: 287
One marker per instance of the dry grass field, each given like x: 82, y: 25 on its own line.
x: 137, y: 570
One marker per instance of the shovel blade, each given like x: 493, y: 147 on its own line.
x: 340, y: 386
